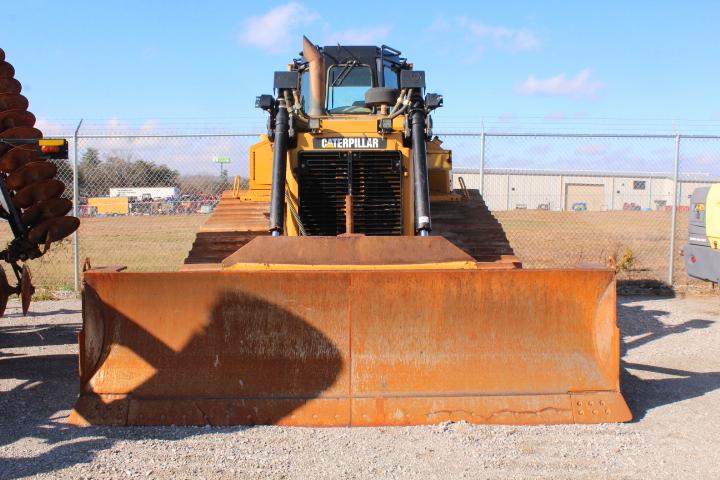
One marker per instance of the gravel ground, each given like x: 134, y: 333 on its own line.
x: 671, y: 379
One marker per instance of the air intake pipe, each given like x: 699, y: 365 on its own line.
x: 420, y: 168
x: 277, y: 196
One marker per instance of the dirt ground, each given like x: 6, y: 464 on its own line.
x: 671, y: 380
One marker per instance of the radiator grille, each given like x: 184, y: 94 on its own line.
x: 375, y: 179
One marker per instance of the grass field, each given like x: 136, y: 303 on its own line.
x: 540, y: 239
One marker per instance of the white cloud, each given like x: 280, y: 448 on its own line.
x: 581, y: 85
x: 274, y: 31
x: 365, y: 36
x: 506, y: 38
x: 502, y: 37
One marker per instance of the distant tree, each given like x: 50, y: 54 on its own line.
x: 98, y: 176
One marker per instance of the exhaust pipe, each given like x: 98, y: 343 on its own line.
x: 277, y: 197
x: 420, y: 169
x: 317, y: 78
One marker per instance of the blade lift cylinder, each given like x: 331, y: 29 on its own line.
x: 277, y: 197
x: 420, y: 169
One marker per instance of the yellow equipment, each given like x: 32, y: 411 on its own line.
x: 350, y: 285
x: 110, y: 205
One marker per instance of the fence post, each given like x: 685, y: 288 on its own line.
x: 671, y: 265
x: 76, y: 198
x: 482, y: 165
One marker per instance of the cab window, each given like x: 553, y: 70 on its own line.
x: 346, y: 88
x: 391, y: 77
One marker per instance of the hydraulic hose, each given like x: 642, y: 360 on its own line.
x: 277, y: 197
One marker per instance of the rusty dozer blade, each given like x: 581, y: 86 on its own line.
x: 438, y: 341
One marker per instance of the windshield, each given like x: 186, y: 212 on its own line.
x: 346, y: 88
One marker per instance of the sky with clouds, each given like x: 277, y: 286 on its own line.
x: 594, y: 65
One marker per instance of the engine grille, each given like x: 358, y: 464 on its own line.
x: 374, y: 178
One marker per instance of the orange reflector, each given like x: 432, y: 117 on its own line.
x: 49, y: 149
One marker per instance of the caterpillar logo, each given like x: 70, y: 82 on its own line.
x: 350, y: 142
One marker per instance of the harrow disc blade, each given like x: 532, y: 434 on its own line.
x: 17, y: 157
x: 16, y: 118
x: 22, y: 132
x: 47, y: 209
x: 39, y: 191
x: 10, y: 85
x: 5, y: 291
x: 12, y: 101
x: 31, y: 173
x: 53, y: 230
x: 27, y: 289
x: 6, y: 70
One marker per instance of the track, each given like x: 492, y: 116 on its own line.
x: 470, y: 225
x: 233, y: 224
x: 467, y: 223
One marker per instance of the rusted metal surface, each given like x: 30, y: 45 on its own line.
x: 349, y: 348
x: 357, y: 250
x: 30, y: 173
x: 37, y: 192
x: 53, y: 230
x: 53, y: 207
x: 17, y: 157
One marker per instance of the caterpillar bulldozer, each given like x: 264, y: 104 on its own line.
x: 31, y: 198
x: 349, y: 285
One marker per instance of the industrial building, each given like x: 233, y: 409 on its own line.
x: 507, y: 189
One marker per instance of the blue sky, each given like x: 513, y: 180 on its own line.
x: 591, y: 66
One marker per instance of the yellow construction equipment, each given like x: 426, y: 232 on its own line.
x: 110, y: 205
x: 350, y: 285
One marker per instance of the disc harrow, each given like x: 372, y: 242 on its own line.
x: 30, y: 195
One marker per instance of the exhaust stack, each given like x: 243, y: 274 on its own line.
x: 317, y: 78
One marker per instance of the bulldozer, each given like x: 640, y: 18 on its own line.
x: 350, y: 284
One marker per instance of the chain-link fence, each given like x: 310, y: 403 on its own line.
x: 563, y: 199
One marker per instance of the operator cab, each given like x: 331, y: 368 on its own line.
x: 351, y: 72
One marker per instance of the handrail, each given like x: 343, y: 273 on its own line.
x: 461, y: 181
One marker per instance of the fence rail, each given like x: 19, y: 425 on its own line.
x: 562, y: 199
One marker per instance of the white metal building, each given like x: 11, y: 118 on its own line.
x: 506, y: 189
